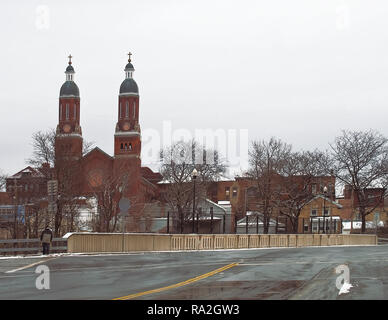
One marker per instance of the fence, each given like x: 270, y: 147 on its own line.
x: 115, y: 242
x: 30, y: 246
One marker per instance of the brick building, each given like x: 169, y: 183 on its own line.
x: 242, y: 195
x: 375, y: 203
x: 91, y: 174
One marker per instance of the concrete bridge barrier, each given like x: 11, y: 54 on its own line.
x: 219, y: 242
x: 243, y: 241
x: 254, y: 241
x: 309, y: 240
x: 324, y: 240
x: 177, y: 243
x: 264, y: 241
x: 231, y: 242
x: 191, y: 242
x: 283, y: 240
x: 207, y: 242
x: 129, y: 242
x: 292, y: 240
x: 274, y: 240
x: 316, y: 240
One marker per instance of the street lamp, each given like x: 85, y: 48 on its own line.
x: 194, y: 175
x: 324, y: 208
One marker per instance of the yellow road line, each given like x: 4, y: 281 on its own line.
x: 180, y: 284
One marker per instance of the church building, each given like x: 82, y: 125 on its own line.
x: 97, y: 173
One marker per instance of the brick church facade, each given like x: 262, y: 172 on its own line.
x: 96, y: 172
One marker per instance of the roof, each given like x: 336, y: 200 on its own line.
x: 129, y: 67
x: 129, y: 86
x: 145, y: 181
x: 150, y: 175
x: 97, y: 149
x: 32, y: 172
x: 70, y: 69
x: 326, y: 199
x: 252, y: 222
x: 215, y: 204
x: 69, y: 88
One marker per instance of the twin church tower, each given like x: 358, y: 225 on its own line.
x: 127, y: 135
x: 97, y: 167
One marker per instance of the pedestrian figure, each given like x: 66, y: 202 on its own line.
x: 46, y: 237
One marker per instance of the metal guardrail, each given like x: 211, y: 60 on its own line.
x: 382, y: 240
x: 29, y: 246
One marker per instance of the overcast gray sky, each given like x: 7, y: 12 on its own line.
x: 297, y: 70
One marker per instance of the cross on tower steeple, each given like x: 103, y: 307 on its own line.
x: 129, y: 57
x: 70, y: 56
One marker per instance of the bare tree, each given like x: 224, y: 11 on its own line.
x: 67, y: 173
x: 108, y: 189
x: 359, y: 159
x: 298, y: 173
x: 3, y: 180
x: 177, y: 165
x: 267, y: 160
x: 43, y: 148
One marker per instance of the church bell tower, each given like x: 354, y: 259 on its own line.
x: 68, y: 138
x: 127, y: 140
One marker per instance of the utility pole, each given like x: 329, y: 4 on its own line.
x: 194, y: 176
x: 15, y: 231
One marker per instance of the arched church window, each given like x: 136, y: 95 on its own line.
x: 134, y: 110
x: 120, y: 111
x: 127, y: 110
x: 121, y: 147
x: 75, y: 111
x: 67, y: 111
x: 60, y: 112
x: 130, y: 147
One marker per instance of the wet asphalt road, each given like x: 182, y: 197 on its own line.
x: 289, y: 273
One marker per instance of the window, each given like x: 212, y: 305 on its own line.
x: 314, y: 188
x: 130, y: 147
x: 326, y: 211
x: 120, y: 112
x: 234, y: 192
x: 67, y: 111
x: 60, y: 112
x: 227, y: 192
x: 75, y: 111
x: 134, y: 110
x: 313, y: 212
x: 127, y: 109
